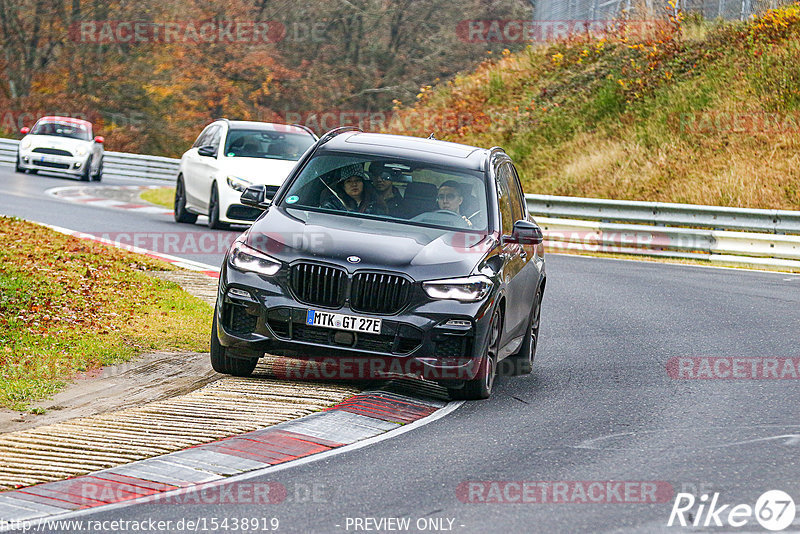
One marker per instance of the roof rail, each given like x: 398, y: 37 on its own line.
x: 221, y: 119
x: 336, y: 131
x: 303, y: 127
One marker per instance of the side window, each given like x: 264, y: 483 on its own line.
x: 214, y: 137
x: 518, y: 206
x: 202, y: 137
x: 504, y: 198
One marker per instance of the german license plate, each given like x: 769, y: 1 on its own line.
x: 340, y: 321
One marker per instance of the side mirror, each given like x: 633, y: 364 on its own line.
x: 207, y: 150
x: 256, y: 196
x: 525, y: 233
x: 24, y: 130
x: 99, y: 140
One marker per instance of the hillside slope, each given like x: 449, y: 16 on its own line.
x: 677, y: 111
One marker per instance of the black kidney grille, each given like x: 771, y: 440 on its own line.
x: 379, y: 293
x: 318, y: 284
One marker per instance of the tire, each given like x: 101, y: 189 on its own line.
x: 522, y: 361
x: 213, y: 211
x: 181, y: 215
x: 99, y: 174
x: 480, y: 387
x: 87, y: 171
x: 18, y: 167
x: 222, y: 363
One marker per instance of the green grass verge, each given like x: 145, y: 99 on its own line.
x: 163, y: 196
x: 68, y: 305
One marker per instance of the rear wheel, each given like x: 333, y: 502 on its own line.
x: 522, y: 361
x: 223, y: 362
x: 480, y: 387
x: 87, y: 171
x: 181, y: 215
x: 213, y: 211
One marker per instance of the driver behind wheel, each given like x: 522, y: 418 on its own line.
x: 450, y: 198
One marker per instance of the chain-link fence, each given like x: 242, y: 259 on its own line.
x: 592, y: 10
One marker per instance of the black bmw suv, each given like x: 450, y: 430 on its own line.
x: 387, y: 256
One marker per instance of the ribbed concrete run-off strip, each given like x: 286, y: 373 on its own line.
x: 225, y: 408
x: 196, y: 474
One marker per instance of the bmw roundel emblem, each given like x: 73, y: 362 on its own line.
x: 354, y: 259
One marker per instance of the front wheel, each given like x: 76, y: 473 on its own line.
x: 213, y: 211
x: 223, y: 363
x: 480, y: 387
x: 522, y: 361
x: 18, y: 166
x: 86, y: 175
x: 99, y: 174
x: 179, y: 207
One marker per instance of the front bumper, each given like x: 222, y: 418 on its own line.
x: 417, y: 342
x: 74, y: 165
x: 230, y: 208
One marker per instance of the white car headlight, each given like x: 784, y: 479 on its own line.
x: 248, y: 259
x: 81, y: 151
x: 238, y: 184
x: 25, y: 144
x: 468, y: 289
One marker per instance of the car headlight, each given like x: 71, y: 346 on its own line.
x: 25, y: 144
x: 248, y: 259
x: 469, y: 289
x: 238, y: 184
x: 81, y: 151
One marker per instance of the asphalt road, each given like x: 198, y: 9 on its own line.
x: 600, y: 406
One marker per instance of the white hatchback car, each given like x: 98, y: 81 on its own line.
x: 229, y: 156
x: 61, y: 144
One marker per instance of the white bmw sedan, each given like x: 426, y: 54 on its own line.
x: 63, y: 145
x: 229, y: 156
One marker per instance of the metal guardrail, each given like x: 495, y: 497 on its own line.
x: 660, y: 229
x: 663, y: 214
x: 116, y: 164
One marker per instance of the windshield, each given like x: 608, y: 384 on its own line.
x: 266, y: 144
x: 402, y: 191
x: 73, y: 130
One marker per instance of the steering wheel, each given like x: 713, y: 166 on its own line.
x: 448, y: 212
x: 425, y: 215
x: 430, y: 216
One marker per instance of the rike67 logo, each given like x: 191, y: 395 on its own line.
x: 774, y: 510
